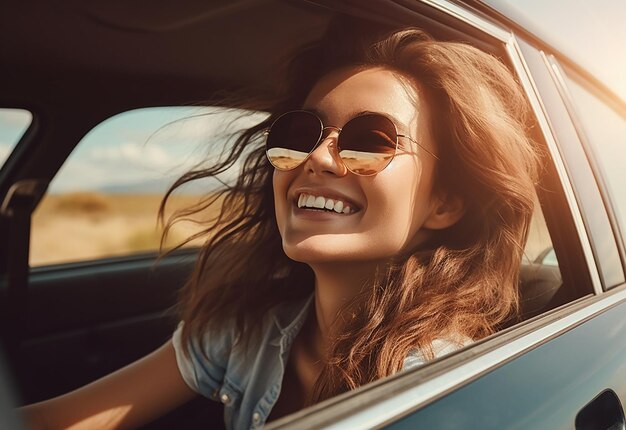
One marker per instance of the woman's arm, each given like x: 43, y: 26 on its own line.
x: 127, y: 398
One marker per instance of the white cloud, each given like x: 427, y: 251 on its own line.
x: 125, y: 165
x: 134, y: 155
x: 131, y: 155
x: 206, y: 124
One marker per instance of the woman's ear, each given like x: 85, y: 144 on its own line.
x: 447, y: 210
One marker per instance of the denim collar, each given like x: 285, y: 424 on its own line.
x: 289, y: 319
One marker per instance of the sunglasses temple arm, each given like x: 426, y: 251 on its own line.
x: 418, y: 144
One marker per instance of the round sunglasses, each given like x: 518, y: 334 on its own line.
x: 366, y: 144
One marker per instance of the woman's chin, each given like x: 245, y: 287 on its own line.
x: 324, y: 252
x: 312, y: 253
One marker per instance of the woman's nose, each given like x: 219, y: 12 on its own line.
x: 325, y: 157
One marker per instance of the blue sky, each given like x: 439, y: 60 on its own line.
x: 145, y: 148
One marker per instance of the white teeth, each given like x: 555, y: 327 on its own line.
x: 319, y: 202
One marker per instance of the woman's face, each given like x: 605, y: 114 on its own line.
x: 390, y: 210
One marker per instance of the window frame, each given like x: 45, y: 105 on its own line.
x: 191, y: 113
x: 561, y: 74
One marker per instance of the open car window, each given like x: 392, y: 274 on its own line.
x: 105, y: 199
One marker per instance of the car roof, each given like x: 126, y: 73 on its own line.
x: 176, y: 46
x: 66, y: 40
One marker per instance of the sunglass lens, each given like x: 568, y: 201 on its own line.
x: 291, y: 138
x: 368, y: 143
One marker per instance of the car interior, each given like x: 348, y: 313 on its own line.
x: 73, y: 65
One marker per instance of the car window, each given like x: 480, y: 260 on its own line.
x: 104, y: 200
x: 605, y: 130
x: 13, y: 125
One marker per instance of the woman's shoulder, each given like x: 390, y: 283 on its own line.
x: 439, y: 347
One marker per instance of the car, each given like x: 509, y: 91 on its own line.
x: 79, y: 78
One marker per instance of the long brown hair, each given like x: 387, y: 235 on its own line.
x: 463, y: 285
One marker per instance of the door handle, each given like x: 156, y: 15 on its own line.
x: 604, y: 412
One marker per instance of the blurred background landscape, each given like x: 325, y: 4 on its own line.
x: 88, y: 225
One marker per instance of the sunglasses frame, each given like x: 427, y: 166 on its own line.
x: 323, y: 128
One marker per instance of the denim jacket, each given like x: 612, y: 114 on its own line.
x: 248, y: 384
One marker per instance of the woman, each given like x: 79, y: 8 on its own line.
x: 379, y: 224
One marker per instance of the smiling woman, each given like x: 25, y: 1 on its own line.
x: 320, y: 275
x: 358, y: 274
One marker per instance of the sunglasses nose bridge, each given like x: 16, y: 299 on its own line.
x: 327, y: 133
x: 325, y: 155
x: 329, y: 136
x: 331, y: 127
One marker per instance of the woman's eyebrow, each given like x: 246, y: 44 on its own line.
x: 310, y: 109
x: 400, y: 125
x: 317, y: 112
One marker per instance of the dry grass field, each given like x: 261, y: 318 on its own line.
x: 86, y: 226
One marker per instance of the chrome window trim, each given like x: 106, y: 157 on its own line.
x: 558, y: 74
x: 529, y: 86
x: 470, y: 18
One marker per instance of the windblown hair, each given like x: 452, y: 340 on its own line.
x: 462, y: 284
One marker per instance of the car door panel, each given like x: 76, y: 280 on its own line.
x: 71, y: 296
x: 104, y: 314
x: 543, y: 388
x: 86, y: 320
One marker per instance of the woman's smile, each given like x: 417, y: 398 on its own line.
x: 316, y: 202
x: 328, y: 204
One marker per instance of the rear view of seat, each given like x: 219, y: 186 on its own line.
x: 540, y: 289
